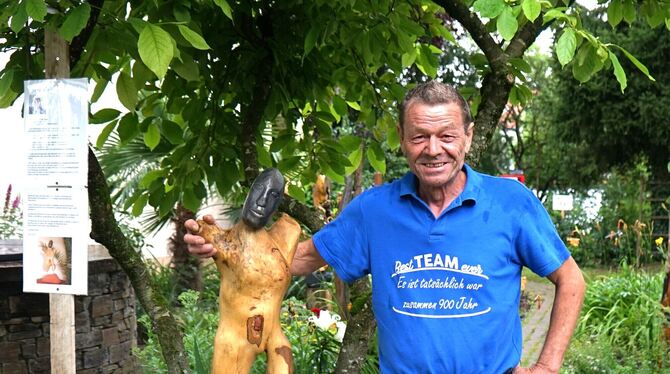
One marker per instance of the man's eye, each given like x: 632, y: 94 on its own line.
x: 418, y: 139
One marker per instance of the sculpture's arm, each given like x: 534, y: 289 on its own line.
x: 286, y: 233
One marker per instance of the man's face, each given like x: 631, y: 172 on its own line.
x: 435, y: 142
x: 263, y: 198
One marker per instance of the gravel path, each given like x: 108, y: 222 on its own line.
x: 536, y: 322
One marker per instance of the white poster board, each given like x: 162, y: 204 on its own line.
x: 56, y: 226
x: 561, y: 202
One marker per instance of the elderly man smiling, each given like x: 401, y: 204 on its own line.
x: 445, y: 246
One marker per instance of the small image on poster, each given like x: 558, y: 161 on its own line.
x: 56, y: 255
x: 55, y: 222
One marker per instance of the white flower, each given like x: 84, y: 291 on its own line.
x: 341, y: 328
x: 327, y: 321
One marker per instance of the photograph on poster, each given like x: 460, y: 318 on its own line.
x: 56, y: 260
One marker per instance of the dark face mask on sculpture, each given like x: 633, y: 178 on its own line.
x: 263, y: 199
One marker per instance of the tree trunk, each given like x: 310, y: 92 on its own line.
x: 105, y: 230
x: 186, y: 267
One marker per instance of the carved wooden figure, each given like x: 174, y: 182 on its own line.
x: 253, y: 264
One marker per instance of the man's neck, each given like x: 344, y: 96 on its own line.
x: 439, y: 198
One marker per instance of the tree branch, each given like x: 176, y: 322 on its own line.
x: 79, y: 42
x: 525, y: 37
x: 460, y: 12
x: 105, y: 230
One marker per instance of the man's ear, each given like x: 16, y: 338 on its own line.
x: 469, y: 132
x: 400, y: 136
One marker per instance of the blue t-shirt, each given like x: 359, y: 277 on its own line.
x: 445, y: 291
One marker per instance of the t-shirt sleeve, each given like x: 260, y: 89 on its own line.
x: 538, y: 245
x: 343, y: 243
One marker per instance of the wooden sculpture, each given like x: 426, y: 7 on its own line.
x: 253, y: 264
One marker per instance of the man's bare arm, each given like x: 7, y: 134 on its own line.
x: 570, y: 288
x: 307, y: 259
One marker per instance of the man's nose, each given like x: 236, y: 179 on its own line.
x: 433, y: 146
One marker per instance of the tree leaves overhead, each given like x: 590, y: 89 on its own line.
x: 75, y: 21
x: 36, y: 9
x: 566, y: 45
x: 155, y: 49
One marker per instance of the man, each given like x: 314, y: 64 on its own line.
x: 445, y: 246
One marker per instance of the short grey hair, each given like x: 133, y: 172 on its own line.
x: 433, y: 93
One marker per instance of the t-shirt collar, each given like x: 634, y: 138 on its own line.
x: 470, y: 192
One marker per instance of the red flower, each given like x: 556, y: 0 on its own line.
x: 316, y: 311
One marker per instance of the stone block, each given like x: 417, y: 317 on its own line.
x: 119, y: 304
x: 14, y: 336
x: 19, y: 367
x: 101, y: 306
x: 110, y: 369
x: 96, y: 357
x: 29, y: 349
x: 82, y: 322
x: 110, y: 336
x: 119, y: 352
x: 102, y: 321
x: 119, y: 281
x: 88, y: 339
x: 39, y: 365
x: 81, y: 303
x: 43, y: 346
x: 98, y: 284
x: 9, y: 352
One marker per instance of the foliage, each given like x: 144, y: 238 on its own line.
x: 623, y: 314
x: 11, y: 220
x: 597, y: 124
x: 622, y: 230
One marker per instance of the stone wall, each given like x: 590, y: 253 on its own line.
x: 105, y: 323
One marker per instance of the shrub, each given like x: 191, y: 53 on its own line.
x: 620, y: 328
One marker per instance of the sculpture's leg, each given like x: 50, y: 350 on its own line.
x: 232, y: 355
x: 280, y: 360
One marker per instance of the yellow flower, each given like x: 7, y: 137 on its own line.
x: 659, y: 241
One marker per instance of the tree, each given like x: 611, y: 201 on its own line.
x: 227, y: 88
x: 606, y: 127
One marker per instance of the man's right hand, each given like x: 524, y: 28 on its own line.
x: 196, y: 243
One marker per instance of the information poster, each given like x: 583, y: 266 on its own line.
x: 56, y: 225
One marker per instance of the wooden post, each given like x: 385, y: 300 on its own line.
x: 61, y: 306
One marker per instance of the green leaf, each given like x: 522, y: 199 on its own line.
x: 489, y: 8
x: 75, y: 22
x: 667, y: 23
x: 531, y: 8
x: 427, y: 62
x: 630, y: 13
x: 615, y: 12
x: 139, y: 205
x: 151, y: 176
x: 280, y: 142
x: 196, y: 40
x: 350, y: 142
x: 618, y: 71
x: 296, y: 193
x: 6, y: 82
x: 191, y: 201
x: 637, y: 63
x: 19, y: 18
x: 104, y: 134
x: 187, y: 69
x: 223, y: 4
x: 586, y: 63
x: 104, y: 116
x: 355, y: 159
x: 126, y: 91
x: 376, y: 157
x: 128, y: 127
x: 155, y: 48
x: 153, y: 136
x: 507, y: 24
x: 288, y: 164
x: 264, y: 157
x: 172, y: 131
x: 566, y: 46
x: 408, y: 58
x: 340, y: 106
x: 354, y: 105
x: 36, y: 9
x: 310, y: 39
